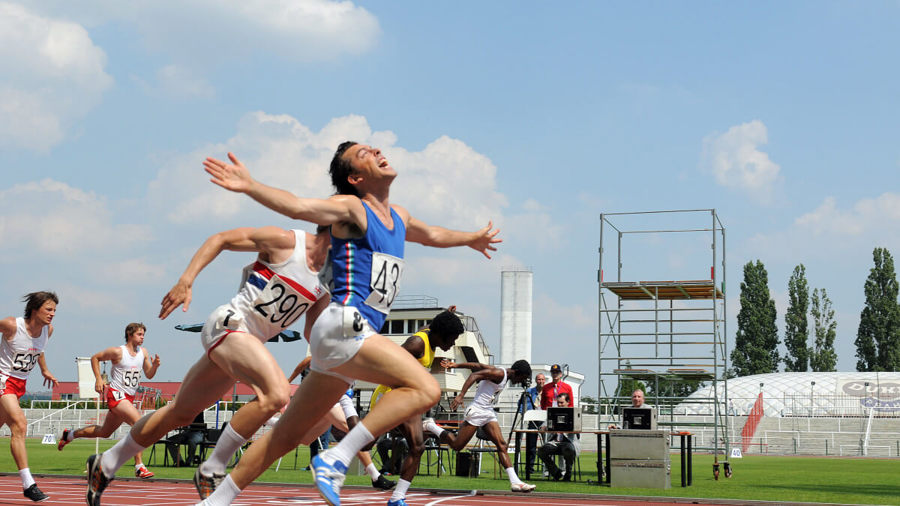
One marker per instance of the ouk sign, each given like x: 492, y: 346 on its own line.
x: 883, y: 395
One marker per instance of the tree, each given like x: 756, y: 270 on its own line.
x: 878, y: 336
x: 796, y: 327
x: 823, y: 357
x: 589, y: 405
x: 756, y: 343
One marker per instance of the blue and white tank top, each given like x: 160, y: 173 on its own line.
x: 367, y: 270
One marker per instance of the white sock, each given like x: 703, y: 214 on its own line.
x: 70, y: 435
x: 137, y: 467
x: 400, y: 490
x: 111, y: 460
x: 513, y: 477
x: 372, y: 471
x: 27, y: 479
x: 350, y: 445
x: 224, y: 494
x: 226, y: 445
x: 433, y: 428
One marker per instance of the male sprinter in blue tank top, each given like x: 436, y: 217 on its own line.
x: 368, y: 235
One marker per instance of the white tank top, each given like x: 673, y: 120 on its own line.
x: 125, y: 375
x: 485, y: 392
x: 274, y: 296
x: 19, y: 356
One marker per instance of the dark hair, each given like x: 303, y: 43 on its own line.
x: 446, y: 325
x: 35, y: 300
x: 340, y: 169
x: 564, y: 394
x: 523, y: 369
x: 323, y: 228
x: 132, y: 328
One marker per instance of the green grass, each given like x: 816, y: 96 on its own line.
x: 802, y: 479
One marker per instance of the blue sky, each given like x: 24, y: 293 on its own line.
x: 537, y: 116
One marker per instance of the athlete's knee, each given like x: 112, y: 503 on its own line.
x: 18, y: 427
x: 416, y: 448
x: 430, y: 393
x: 278, y: 397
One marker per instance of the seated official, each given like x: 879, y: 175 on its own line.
x: 191, y: 435
x: 637, y: 401
x: 565, y: 444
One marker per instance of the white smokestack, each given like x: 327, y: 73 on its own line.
x: 515, y: 315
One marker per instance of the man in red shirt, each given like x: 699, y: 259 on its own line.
x: 554, y: 388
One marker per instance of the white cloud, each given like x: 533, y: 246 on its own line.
x: 737, y: 162
x: 576, y: 316
x: 54, y: 76
x: 280, y: 151
x: 867, y: 215
x: 212, y: 32
x: 49, y: 217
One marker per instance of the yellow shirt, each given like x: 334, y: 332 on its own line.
x: 426, y: 360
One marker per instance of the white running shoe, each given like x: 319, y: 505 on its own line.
x: 523, y: 487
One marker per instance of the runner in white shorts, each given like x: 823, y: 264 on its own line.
x: 491, y: 381
x: 128, y: 361
x: 368, y: 235
x: 276, y: 290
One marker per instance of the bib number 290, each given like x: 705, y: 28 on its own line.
x: 279, y: 303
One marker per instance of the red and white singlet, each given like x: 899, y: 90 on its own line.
x: 125, y: 375
x: 271, y: 298
x: 19, y: 355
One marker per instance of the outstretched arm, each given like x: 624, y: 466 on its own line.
x: 475, y: 376
x: 472, y: 366
x: 482, y: 240
x: 239, y: 239
x: 235, y: 177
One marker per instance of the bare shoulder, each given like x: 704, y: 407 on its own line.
x: 400, y: 210
x: 8, y: 327
x: 113, y: 353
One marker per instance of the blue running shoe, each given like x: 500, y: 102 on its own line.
x: 398, y: 502
x: 329, y: 478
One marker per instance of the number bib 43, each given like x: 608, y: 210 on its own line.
x: 385, y: 281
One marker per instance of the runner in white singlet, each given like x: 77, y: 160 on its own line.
x: 491, y: 380
x: 282, y: 287
x: 21, y: 347
x: 127, y: 361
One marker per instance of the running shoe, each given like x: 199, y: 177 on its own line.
x: 143, y: 473
x: 63, y: 440
x: 206, y: 485
x: 383, y: 483
x: 35, y: 494
x: 522, y: 487
x: 398, y: 502
x: 329, y: 478
x: 97, y: 481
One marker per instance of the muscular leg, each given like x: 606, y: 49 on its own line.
x: 492, y: 430
x: 112, y: 422
x: 461, y: 439
x: 412, y: 431
x: 126, y: 412
x: 316, y: 395
x: 14, y: 417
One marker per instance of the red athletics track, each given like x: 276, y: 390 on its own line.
x: 124, y: 492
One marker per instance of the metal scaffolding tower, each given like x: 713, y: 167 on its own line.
x: 670, y: 335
